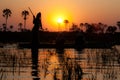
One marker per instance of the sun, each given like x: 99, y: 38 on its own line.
x: 56, y: 18
x: 59, y: 20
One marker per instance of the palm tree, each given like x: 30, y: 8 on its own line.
x: 111, y: 29
x: 20, y: 26
x: 81, y: 26
x: 4, y: 27
x: 6, y: 13
x: 118, y: 24
x: 25, y: 13
x: 66, y: 22
x: 0, y: 28
x: 74, y: 27
x: 11, y: 27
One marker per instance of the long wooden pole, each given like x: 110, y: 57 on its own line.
x: 31, y: 11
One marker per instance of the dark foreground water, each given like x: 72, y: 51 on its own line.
x: 67, y: 64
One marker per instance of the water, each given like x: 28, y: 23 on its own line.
x: 67, y: 64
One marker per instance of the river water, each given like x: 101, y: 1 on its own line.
x: 60, y: 64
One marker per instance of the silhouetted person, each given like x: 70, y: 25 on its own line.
x: 35, y: 31
x: 35, y: 42
x: 37, y: 22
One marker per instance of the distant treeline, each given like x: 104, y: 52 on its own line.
x: 82, y: 27
x: 50, y: 37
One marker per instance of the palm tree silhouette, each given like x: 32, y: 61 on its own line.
x: 81, y: 25
x: 25, y: 13
x: 4, y: 27
x: 66, y: 22
x: 6, y: 13
x: 20, y: 26
x: 118, y: 24
x: 11, y: 27
x: 0, y: 28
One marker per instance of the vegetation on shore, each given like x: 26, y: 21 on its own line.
x: 82, y: 27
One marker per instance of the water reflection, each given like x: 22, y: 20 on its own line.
x: 35, y: 71
x: 65, y: 64
x: 70, y: 67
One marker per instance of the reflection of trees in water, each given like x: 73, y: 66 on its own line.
x: 112, y: 65
x: 102, y: 61
x: 71, y: 69
x: 66, y: 64
x: 110, y: 74
x: 49, y: 66
x: 59, y: 66
x: 99, y: 64
x: 15, y: 60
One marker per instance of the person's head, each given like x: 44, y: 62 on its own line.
x: 38, y: 15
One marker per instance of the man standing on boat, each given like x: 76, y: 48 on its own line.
x: 35, y: 43
x: 35, y: 31
x: 35, y: 37
x: 37, y: 22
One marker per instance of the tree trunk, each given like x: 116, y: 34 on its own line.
x: 24, y: 24
x: 6, y: 25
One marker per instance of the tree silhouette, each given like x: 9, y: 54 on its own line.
x: 0, y: 28
x: 25, y: 13
x: 4, y: 27
x: 90, y: 29
x: 66, y: 22
x: 11, y: 27
x: 81, y: 26
x: 20, y: 26
x: 75, y: 28
x: 6, y: 13
x: 111, y: 29
x: 118, y: 24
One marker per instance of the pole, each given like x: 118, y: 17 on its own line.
x: 31, y: 11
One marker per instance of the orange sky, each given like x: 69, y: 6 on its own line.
x: 76, y: 11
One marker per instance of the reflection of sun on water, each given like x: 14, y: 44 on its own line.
x: 50, y: 63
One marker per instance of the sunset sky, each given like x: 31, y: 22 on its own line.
x: 76, y: 11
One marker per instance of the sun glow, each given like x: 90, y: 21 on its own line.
x: 60, y: 20
x: 56, y: 18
